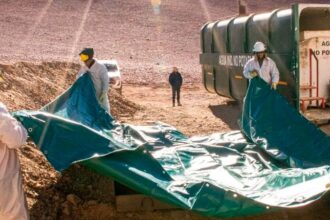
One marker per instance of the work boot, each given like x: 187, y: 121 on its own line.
x: 179, y: 104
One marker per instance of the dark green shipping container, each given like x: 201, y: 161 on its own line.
x: 226, y: 46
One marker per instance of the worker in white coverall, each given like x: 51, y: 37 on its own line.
x: 12, y: 199
x: 99, y: 75
x: 262, y: 66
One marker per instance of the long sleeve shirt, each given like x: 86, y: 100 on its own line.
x: 12, y: 136
x: 268, y: 70
x: 175, y: 80
x: 99, y: 75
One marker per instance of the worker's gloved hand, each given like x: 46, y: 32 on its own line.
x: 103, y: 96
x: 253, y: 73
x: 274, y: 86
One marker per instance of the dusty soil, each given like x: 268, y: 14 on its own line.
x: 145, y: 40
x: 38, y: 55
x: 200, y: 113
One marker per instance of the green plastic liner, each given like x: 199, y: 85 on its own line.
x: 279, y: 160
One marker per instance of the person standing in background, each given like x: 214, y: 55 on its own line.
x: 175, y: 80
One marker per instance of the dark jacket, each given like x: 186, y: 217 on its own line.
x: 175, y: 80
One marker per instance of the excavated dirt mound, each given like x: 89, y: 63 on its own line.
x: 30, y: 86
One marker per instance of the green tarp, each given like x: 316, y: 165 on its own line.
x: 278, y: 160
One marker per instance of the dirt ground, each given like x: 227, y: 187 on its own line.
x: 39, y: 44
x: 200, y: 113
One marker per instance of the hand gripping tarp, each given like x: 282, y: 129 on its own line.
x: 279, y: 160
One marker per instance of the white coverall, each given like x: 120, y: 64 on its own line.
x: 268, y: 70
x: 12, y: 199
x: 100, y: 80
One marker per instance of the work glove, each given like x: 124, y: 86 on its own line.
x: 274, y: 85
x: 253, y: 73
x: 103, y: 96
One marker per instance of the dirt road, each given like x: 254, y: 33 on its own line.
x: 200, y: 113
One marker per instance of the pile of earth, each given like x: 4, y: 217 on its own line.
x: 30, y: 86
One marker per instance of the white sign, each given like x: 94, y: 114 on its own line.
x: 234, y: 60
x: 324, y: 49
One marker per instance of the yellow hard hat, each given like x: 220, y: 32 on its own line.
x: 86, y: 54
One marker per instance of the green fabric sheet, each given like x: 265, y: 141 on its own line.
x: 278, y: 159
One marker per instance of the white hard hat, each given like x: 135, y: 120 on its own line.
x: 259, y: 47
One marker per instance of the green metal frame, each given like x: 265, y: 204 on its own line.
x: 296, y: 62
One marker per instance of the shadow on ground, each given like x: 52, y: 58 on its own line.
x: 229, y: 113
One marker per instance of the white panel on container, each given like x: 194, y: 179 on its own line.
x: 319, y: 42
